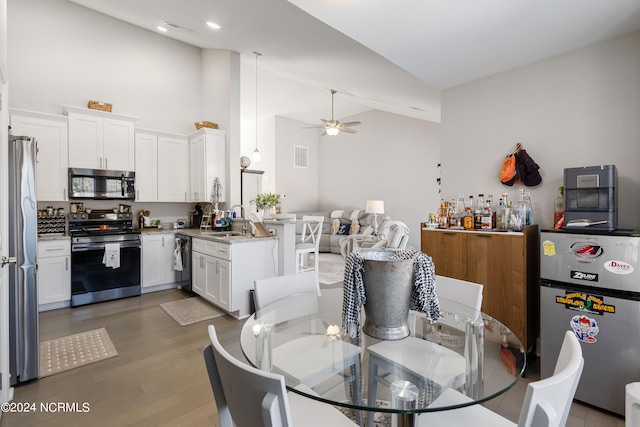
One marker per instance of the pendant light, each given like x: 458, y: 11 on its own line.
x: 256, y: 154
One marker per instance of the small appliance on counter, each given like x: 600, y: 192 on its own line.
x: 591, y: 197
x: 196, y: 216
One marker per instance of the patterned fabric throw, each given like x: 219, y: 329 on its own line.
x: 423, y: 297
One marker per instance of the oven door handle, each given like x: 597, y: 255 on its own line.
x: 100, y: 246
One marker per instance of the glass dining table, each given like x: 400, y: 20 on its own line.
x: 301, y: 338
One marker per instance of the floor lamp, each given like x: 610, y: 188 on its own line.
x: 375, y: 207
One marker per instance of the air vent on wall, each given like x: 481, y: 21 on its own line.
x: 300, y: 156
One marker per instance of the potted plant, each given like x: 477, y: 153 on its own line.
x: 267, y: 201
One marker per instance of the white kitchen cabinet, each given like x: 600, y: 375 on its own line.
x: 157, y: 259
x: 162, y: 167
x: 100, y: 140
x: 224, y: 273
x: 207, y: 160
x: 51, y: 134
x: 54, y: 274
x: 173, y: 169
x: 146, y: 154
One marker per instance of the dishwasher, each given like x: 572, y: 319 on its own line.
x: 183, y: 250
x: 590, y: 284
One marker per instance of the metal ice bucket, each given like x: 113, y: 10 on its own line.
x: 388, y: 286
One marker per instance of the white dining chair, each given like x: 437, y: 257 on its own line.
x: 444, y: 368
x: 450, y: 289
x: 632, y: 404
x: 248, y: 397
x: 325, y: 361
x: 546, y: 403
x: 309, y: 243
x: 275, y: 288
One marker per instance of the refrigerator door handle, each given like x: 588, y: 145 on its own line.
x: 10, y: 260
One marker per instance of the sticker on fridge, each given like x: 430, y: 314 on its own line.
x: 592, y: 304
x: 548, y: 248
x: 618, y: 267
x: 585, y: 328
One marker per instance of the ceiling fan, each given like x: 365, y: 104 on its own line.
x: 333, y: 127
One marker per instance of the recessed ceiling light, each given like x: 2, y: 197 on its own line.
x: 213, y: 25
x: 163, y: 29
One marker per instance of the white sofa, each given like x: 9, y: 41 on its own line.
x: 354, y: 224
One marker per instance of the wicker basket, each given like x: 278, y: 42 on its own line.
x: 205, y: 124
x: 102, y: 106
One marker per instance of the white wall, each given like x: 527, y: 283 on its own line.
x: 61, y: 53
x: 391, y: 158
x: 300, y: 185
x: 577, y: 109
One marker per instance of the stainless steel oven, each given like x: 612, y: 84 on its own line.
x: 105, y: 257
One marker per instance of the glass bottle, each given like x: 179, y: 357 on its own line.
x: 527, y: 201
x: 505, y: 213
x: 467, y: 219
x: 443, y: 215
x: 558, y: 209
x: 477, y: 214
x: 492, y: 209
x: 455, y: 219
x: 519, y: 215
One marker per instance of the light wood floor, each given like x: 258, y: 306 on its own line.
x: 159, y: 377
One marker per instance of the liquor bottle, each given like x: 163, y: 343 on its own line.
x: 519, y: 216
x: 455, y: 219
x: 493, y: 210
x: 467, y: 219
x: 443, y: 215
x: 558, y: 209
x: 505, y: 213
x: 527, y: 201
x: 487, y: 217
x: 477, y: 213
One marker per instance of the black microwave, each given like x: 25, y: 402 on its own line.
x: 101, y: 184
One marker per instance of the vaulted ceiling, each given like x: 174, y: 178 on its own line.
x: 391, y: 56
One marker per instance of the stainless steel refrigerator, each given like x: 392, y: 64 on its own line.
x: 590, y: 284
x: 23, y: 237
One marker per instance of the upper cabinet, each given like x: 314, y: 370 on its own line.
x: 162, y: 165
x: 50, y: 132
x: 207, y: 159
x: 100, y: 140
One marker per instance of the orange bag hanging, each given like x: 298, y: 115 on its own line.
x: 508, y: 171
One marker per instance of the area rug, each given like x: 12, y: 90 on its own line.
x: 62, y: 354
x: 330, y: 268
x: 187, y: 311
x: 380, y: 419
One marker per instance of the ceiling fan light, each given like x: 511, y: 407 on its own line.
x: 333, y: 131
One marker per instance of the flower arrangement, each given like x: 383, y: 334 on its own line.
x: 265, y: 200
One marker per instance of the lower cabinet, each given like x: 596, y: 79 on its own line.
x: 223, y: 273
x: 157, y: 260
x: 506, y: 264
x: 54, y: 274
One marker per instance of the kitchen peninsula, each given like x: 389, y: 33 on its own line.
x: 225, y: 265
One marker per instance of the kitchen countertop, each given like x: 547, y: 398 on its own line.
x: 220, y: 236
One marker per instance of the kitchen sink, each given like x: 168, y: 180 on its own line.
x: 225, y: 234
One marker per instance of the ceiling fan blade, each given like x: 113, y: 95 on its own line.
x: 326, y: 122
x: 351, y: 124
x: 348, y: 130
x: 313, y: 127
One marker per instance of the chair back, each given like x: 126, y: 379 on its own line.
x: 276, y: 288
x: 254, y: 398
x: 547, y: 402
x: 312, y: 230
x: 218, y: 393
x: 467, y: 293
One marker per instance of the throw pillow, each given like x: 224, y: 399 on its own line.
x: 343, y: 229
x: 355, y: 227
x: 335, y: 225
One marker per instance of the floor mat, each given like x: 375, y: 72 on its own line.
x: 62, y: 354
x: 191, y: 310
x: 330, y: 268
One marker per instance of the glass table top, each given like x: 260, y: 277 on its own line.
x: 301, y: 337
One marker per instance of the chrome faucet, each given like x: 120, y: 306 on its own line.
x: 244, y: 221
